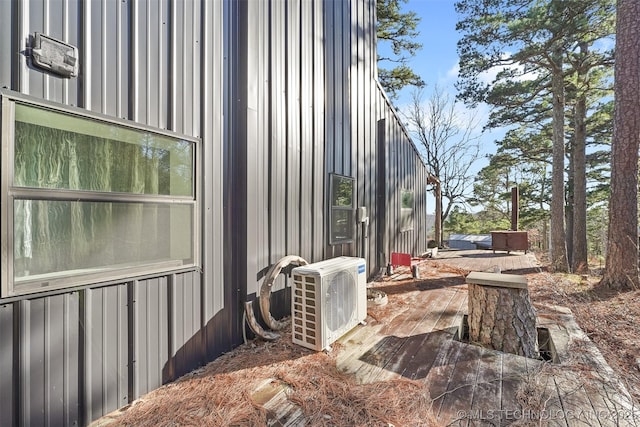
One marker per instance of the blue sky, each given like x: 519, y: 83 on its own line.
x: 437, y: 62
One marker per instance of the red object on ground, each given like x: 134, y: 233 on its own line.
x: 398, y: 258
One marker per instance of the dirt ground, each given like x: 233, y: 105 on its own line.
x: 611, y: 319
x: 223, y: 392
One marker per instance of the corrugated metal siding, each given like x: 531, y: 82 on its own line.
x: 364, y: 130
x: 276, y: 174
x: 186, y: 343
x: 216, y: 297
x: 7, y: 370
x: 306, y: 104
x: 340, y: 155
x: 150, y: 338
x: 67, y: 359
x: 49, y: 347
x: 317, y: 184
x: 405, y: 169
x: 8, y: 35
x: 106, y: 340
x: 300, y: 102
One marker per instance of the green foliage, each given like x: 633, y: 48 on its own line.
x: 342, y: 191
x: 461, y: 222
x: 407, y: 199
x: 511, y: 52
x: 492, y: 190
x: 398, y: 77
x: 399, y: 30
x: 597, y: 218
x: 483, y: 222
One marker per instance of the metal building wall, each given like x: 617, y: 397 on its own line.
x: 299, y: 100
x: 68, y: 358
x: 404, y: 170
x: 306, y: 104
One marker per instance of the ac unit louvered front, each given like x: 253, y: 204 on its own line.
x: 328, y: 299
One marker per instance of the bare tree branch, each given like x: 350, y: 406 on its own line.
x: 448, y: 142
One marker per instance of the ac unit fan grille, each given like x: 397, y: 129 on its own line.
x: 340, y: 300
x: 305, y: 305
x: 328, y: 300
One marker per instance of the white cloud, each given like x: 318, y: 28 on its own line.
x: 452, y: 73
x: 490, y: 75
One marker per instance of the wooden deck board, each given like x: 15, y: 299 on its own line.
x: 545, y: 393
x: 487, y: 390
x: 473, y: 386
x: 391, y: 352
x: 419, y: 366
x: 439, y: 376
x: 457, y: 402
x: 417, y: 344
x: 349, y: 359
x: 514, y: 371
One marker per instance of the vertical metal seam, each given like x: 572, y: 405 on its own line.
x: 300, y: 73
x: 84, y: 376
x: 185, y: 25
x: 66, y: 351
x: 148, y: 67
x: 172, y: 91
x: 131, y: 352
x: 270, y: 126
x: 104, y: 344
x: 134, y: 66
x: 86, y: 54
x: 65, y: 37
x: 119, y: 64
x: 103, y: 45
x: 205, y: 75
x: 122, y: 349
x: 194, y: 70
x: 16, y: 363
x: 287, y: 123
x: 23, y: 19
x: 47, y: 359
x: 172, y: 306
x: 46, y: 30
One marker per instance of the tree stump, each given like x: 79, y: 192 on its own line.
x: 501, y: 316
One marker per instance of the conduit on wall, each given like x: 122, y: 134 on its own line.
x: 265, y: 290
x: 265, y: 303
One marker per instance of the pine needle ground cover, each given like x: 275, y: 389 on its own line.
x: 611, y: 319
x: 223, y: 393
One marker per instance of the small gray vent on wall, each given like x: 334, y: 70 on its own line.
x: 54, y: 55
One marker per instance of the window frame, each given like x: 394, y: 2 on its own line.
x: 337, y: 208
x: 407, y: 214
x: 9, y: 193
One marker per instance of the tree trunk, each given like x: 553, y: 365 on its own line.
x: 568, y: 209
x: 621, y: 268
x: 559, y: 261
x: 438, y: 225
x: 501, y: 316
x: 579, y: 263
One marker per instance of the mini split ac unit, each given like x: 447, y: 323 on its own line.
x: 328, y: 299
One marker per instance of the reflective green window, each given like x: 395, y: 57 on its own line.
x: 90, y: 200
x: 61, y: 151
x: 341, y: 221
x: 406, y: 210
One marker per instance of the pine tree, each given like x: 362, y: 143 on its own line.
x: 532, y: 45
x: 621, y: 269
x: 399, y: 29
